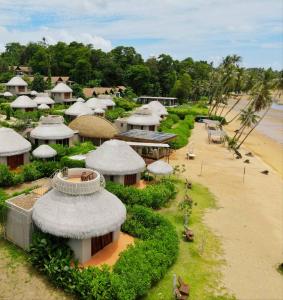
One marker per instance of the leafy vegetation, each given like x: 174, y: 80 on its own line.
x: 154, y: 195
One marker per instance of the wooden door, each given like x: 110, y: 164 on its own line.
x: 14, y: 161
x: 151, y: 127
x: 130, y: 179
x: 99, y: 242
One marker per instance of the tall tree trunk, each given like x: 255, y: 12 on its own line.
x: 233, y: 106
x: 237, y: 115
x: 247, y: 135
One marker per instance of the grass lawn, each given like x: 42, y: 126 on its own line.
x: 199, y: 262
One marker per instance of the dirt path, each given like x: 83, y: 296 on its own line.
x: 249, y: 220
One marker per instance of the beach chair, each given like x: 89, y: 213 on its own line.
x: 179, y: 296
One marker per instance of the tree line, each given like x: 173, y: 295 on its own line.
x: 89, y: 67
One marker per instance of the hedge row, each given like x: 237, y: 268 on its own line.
x: 155, y: 196
x: 138, y: 268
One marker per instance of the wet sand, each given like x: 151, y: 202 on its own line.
x: 249, y: 218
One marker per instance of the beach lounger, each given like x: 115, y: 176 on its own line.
x: 183, y: 288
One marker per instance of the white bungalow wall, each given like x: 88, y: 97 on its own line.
x: 81, y: 248
x: 15, y: 90
x: 120, y: 178
x: 3, y: 159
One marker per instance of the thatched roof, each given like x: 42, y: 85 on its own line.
x: 44, y: 151
x: 61, y: 88
x: 160, y: 167
x: 16, y: 81
x: 43, y: 99
x: 157, y: 108
x: 94, y: 127
x: 33, y: 93
x: 115, y: 157
x: 7, y: 94
x: 23, y: 102
x: 94, y: 103
x: 43, y: 106
x: 78, y: 109
x: 51, y: 128
x: 143, y: 116
x: 79, y: 216
x: 99, y: 111
x: 80, y: 99
x: 12, y: 143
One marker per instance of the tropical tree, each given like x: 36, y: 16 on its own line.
x: 38, y: 83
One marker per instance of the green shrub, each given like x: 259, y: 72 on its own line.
x: 155, y: 195
x: 71, y: 163
x: 125, y: 104
x: 114, y: 114
x: 6, y: 176
x: 31, y: 172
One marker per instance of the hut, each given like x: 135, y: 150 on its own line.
x: 44, y: 99
x: 167, y: 101
x: 160, y: 167
x: 117, y: 161
x: 44, y: 151
x: 93, y: 128
x: 52, y: 130
x: 43, y: 107
x: 94, y: 103
x: 33, y: 93
x: 8, y: 94
x: 78, y: 109
x: 142, y: 118
x: 24, y: 103
x: 157, y: 108
x: 14, y: 149
x: 99, y: 112
x: 17, y: 86
x: 80, y: 209
x: 62, y: 93
x: 80, y: 99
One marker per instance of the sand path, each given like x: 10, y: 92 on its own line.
x: 249, y: 218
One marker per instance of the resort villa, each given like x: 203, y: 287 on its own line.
x: 142, y: 118
x: 14, y: 149
x: 77, y: 207
x: 43, y: 107
x: 157, y: 108
x: 43, y: 98
x: 52, y: 130
x: 166, y: 101
x: 93, y: 128
x: 44, y: 152
x: 117, y: 161
x: 24, y: 103
x: 78, y: 109
x: 62, y: 93
x: 95, y: 103
x: 99, y: 112
x: 17, y: 86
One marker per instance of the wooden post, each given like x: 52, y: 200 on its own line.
x: 174, y: 284
x: 201, y: 166
x: 244, y: 174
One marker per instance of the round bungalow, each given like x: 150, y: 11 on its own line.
x: 99, y: 112
x: 44, y: 151
x: 94, y: 103
x: 79, y: 208
x: 117, y: 161
x: 14, y: 149
x: 44, y: 99
x: 78, y: 109
x: 62, y: 93
x: 43, y: 107
x: 24, y: 103
x: 94, y: 128
x: 51, y: 130
x: 157, y: 108
x: 143, y: 118
x: 17, y: 86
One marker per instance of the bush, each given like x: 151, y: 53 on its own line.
x: 125, y: 104
x: 155, y: 195
x: 31, y: 172
x: 138, y: 268
x: 71, y: 163
x: 114, y: 114
x: 6, y: 176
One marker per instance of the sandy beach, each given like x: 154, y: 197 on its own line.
x: 249, y: 218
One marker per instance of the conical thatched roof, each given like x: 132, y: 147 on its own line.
x: 115, y: 157
x: 12, y: 143
x: 43, y: 106
x: 99, y: 111
x: 94, y: 103
x: 143, y: 116
x: 43, y: 99
x: 61, y: 88
x: 23, y: 102
x: 52, y: 128
x: 157, y: 108
x: 79, y: 216
x: 7, y: 94
x: 33, y: 93
x: 78, y: 109
x: 94, y: 127
x: 16, y: 81
x: 80, y: 99
x: 44, y: 151
x: 160, y: 167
